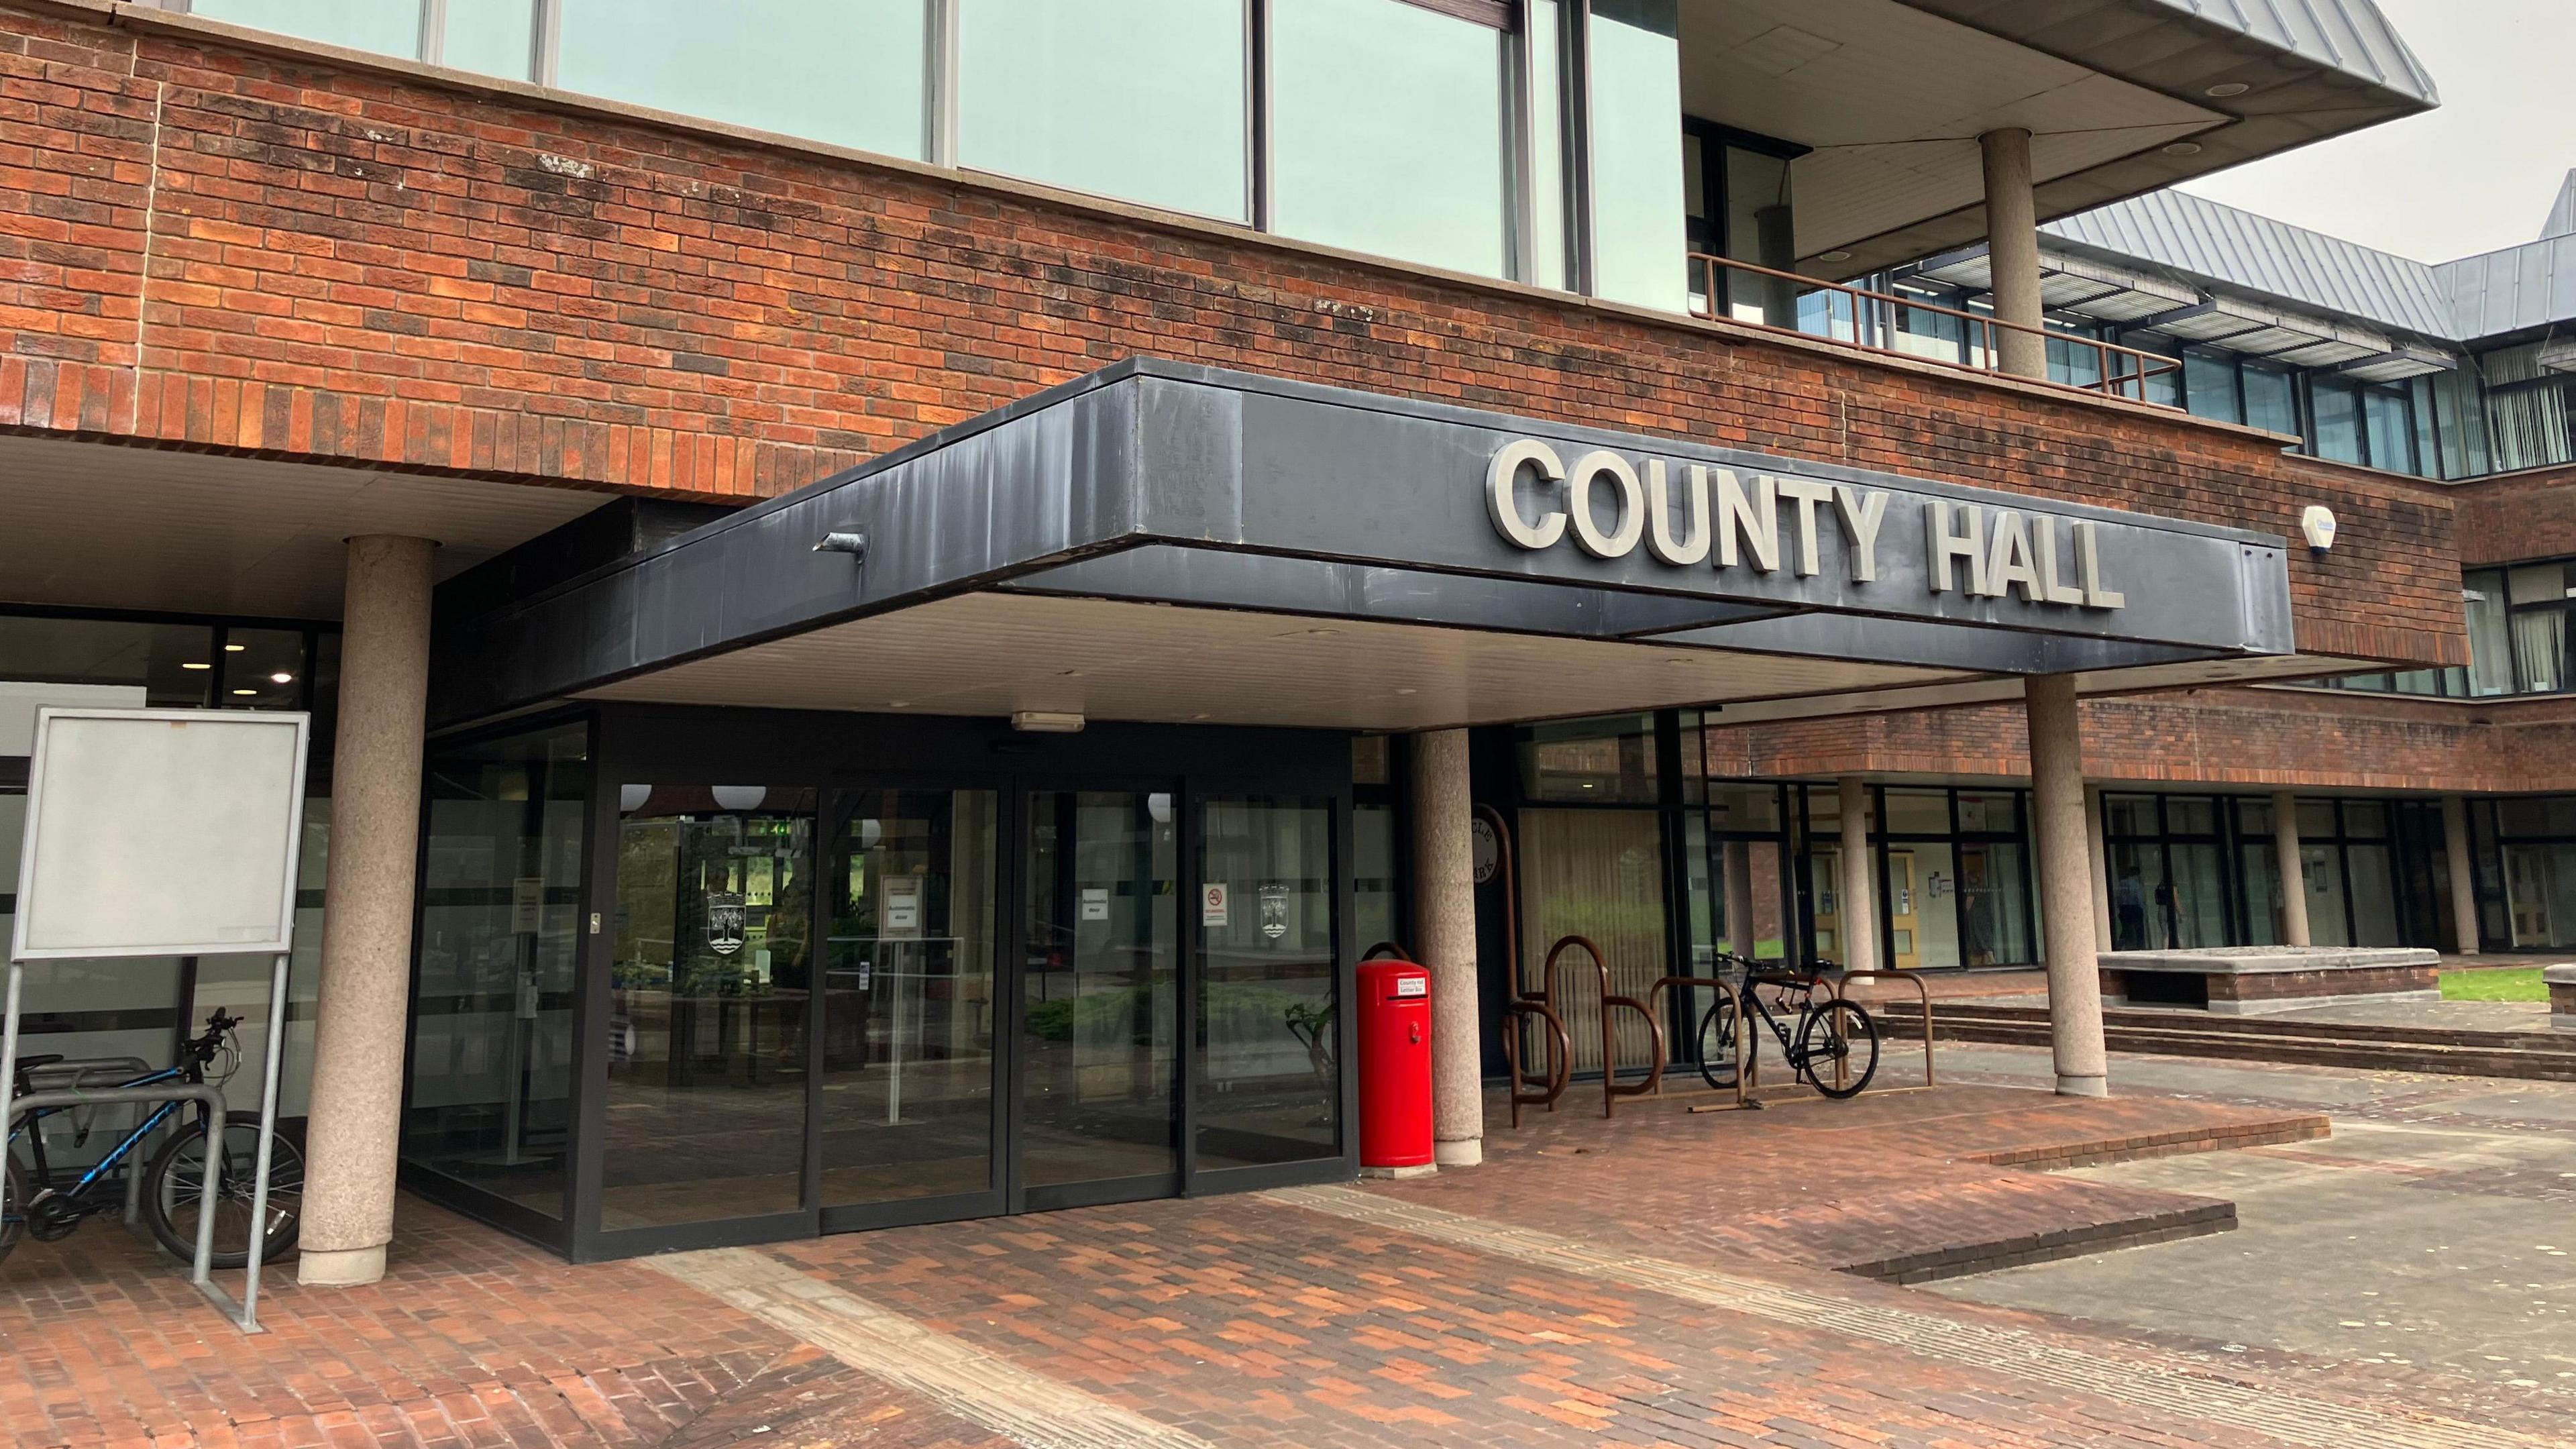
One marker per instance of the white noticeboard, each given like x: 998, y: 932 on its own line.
x: 161, y: 832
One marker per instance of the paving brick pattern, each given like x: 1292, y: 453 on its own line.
x: 1226, y: 1321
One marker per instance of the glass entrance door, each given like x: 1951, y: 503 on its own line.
x: 909, y: 1009
x: 1099, y: 1034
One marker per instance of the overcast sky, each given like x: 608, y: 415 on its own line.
x: 2475, y: 175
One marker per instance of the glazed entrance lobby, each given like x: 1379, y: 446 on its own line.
x: 996, y: 827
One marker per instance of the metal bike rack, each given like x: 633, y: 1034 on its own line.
x: 243, y: 1312
x: 1611, y: 1087
x: 1743, y: 1056
x: 1911, y: 978
x: 86, y: 1074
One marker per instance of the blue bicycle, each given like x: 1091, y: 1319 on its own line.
x: 33, y: 1203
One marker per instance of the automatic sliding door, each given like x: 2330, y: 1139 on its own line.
x: 909, y: 1010
x: 1100, y: 1029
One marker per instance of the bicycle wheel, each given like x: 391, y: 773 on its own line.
x: 1717, y: 1065
x: 1838, y: 1034
x: 172, y: 1184
x: 14, y: 1171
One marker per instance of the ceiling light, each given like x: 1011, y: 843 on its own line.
x: 1834, y: 256
x: 1047, y: 722
x: 196, y: 666
x: 235, y: 648
x: 1408, y: 691
x: 2183, y: 148
x: 281, y: 677
x: 245, y: 691
x: 898, y: 704
x: 2224, y: 89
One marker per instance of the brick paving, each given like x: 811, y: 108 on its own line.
x: 1244, y: 1320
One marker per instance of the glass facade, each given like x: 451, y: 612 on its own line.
x: 1269, y: 1061
x: 499, y: 940
x: 851, y: 72
x: 1387, y: 132
x: 1638, y: 235
x: 1138, y: 99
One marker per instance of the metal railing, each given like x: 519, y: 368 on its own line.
x: 2122, y: 372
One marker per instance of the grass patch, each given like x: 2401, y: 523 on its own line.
x: 2516, y: 984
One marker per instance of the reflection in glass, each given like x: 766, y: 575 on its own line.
x: 500, y: 906
x: 2138, y: 890
x: 1268, y: 1049
x: 1138, y: 99
x: 1373, y: 878
x: 1994, y: 893
x: 491, y: 37
x: 262, y: 669
x: 109, y: 663
x: 1100, y: 1009
x: 1639, y: 235
x: 908, y: 1010
x: 844, y: 71
x: 708, y: 1007
x: 1749, y: 921
x: 1387, y: 133
x: 1603, y: 761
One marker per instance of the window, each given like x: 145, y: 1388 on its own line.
x: 2536, y: 599
x: 1387, y: 132
x: 1546, y: 263
x: 2391, y: 428
x: 2209, y: 385
x: 2532, y: 409
x: 2271, y: 403
x: 1138, y: 99
x: 2490, y: 640
x: 1591, y: 762
x: 500, y: 935
x: 1267, y: 1045
x: 2460, y: 421
x: 1637, y: 229
x: 847, y: 72
x: 2336, y: 406
x: 387, y: 27
x: 491, y: 37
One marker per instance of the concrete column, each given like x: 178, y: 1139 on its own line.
x: 2464, y: 890
x: 1859, y: 883
x: 352, y: 1135
x: 1444, y: 936
x: 2294, y: 875
x: 2095, y: 844
x: 2066, y: 885
x: 2012, y: 247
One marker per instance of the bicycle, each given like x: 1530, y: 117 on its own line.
x: 1836, y: 1045
x: 172, y: 1200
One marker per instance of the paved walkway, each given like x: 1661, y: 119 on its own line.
x: 1665, y: 1278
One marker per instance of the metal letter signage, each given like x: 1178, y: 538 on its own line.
x: 1729, y: 519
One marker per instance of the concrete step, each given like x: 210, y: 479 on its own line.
x: 2526, y: 1056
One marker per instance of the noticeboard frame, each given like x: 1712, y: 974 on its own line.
x: 279, y: 941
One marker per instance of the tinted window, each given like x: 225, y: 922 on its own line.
x: 2209, y: 385
x: 388, y: 27
x: 1141, y: 99
x: 1637, y: 229
x: 2338, y: 417
x: 2268, y: 400
x: 844, y: 71
x: 1387, y: 132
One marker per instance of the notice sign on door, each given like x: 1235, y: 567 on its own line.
x: 1095, y: 903
x: 1212, y: 903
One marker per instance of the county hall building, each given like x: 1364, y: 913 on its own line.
x: 895, y: 591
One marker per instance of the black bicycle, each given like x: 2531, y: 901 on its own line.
x: 1835, y: 1046
x: 34, y: 1203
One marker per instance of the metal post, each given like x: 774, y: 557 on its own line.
x: 267, y: 1144
x: 9, y: 1063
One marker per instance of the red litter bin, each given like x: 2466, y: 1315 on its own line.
x: 1395, y: 1065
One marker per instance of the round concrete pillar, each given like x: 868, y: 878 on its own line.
x: 1858, y: 907
x: 2294, y: 876
x: 2066, y: 885
x: 352, y: 1135
x: 1444, y: 936
x: 2464, y: 890
x: 2012, y: 250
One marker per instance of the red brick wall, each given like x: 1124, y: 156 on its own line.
x: 2518, y: 516
x: 2303, y: 739
x: 209, y: 244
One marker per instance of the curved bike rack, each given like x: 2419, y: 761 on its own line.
x: 1612, y: 1089
x: 1743, y: 1053
x: 1911, y: 978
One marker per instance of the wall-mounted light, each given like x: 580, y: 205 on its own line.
x: 2317, y: 526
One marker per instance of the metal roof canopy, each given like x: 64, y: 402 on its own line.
x: 1200, y: 495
